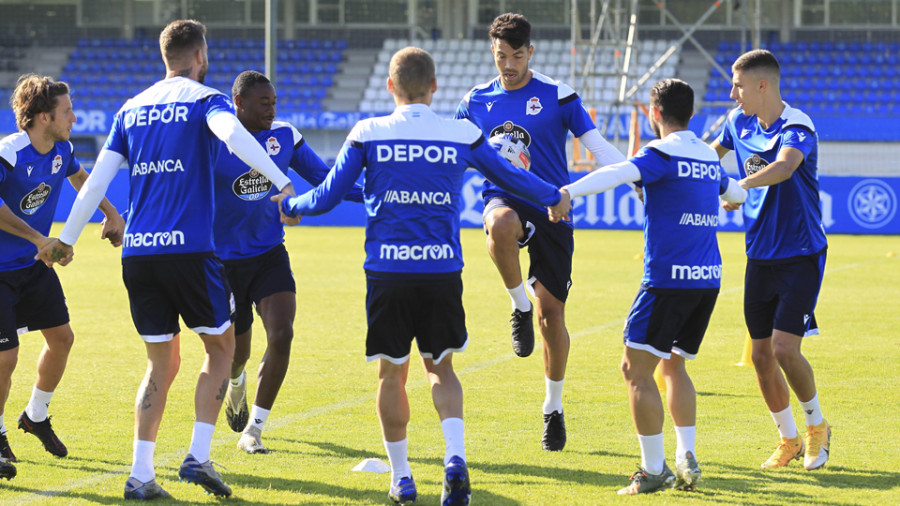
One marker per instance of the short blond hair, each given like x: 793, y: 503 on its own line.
x: 412, y: 71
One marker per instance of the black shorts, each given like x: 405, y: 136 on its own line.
x: 31, y: 298
x: 783, y: 296
x: 550, y: 246
x: 163, y: 287
x: 669, y: 322
x: 253, y: 279
x: 429, y: 310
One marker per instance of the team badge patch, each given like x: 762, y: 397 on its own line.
x: 57, y: 164
x: 272, y: 146
x: 533, y: 106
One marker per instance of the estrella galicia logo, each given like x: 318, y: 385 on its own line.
x: 251, y: 186
x: 514, y: 130
x: 34, y: 199
x: 872, y: 203
x: 754, y: 164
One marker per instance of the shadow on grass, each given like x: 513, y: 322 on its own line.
x: 559, y: 474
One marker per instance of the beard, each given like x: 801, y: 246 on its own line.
x: 201, y: 76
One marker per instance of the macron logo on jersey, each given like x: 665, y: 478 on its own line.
x: 413, y: 152
x: 416, y: 252
x: 697, y: 271
x: 698, y: 170
x: 417, y: 197
x: 145, y: 116
x: 150, y: 239
x: 159, y: 166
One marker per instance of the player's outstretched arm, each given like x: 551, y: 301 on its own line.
x: 733, y: 196
x: 55, y: 252
x: 780, y: 170
x: 720, y: 149
x: 113, y: 226
x: 604, y: 152
x: 511, y: 178
x: 229, y: 129
x: 326, y: 196
x: 12, y: 224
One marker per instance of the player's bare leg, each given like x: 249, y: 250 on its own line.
x: 682, y: 403
x: 768, y: 374
x: 504, y: 231
x: 447, y: 395
x: 237, y: 414
x: 551, y: 315
x: 392, y: 406
x: 8, y: 361
x: 54, y: 356
x: 446, y: 391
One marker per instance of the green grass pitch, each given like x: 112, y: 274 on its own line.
x: 324, y: 421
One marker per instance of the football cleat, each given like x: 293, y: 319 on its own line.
x: 45, y: 433
x: 554, y: 438
x: 251, y: 440
x: 135, y: 489
x: 5, y: 451
x: 522, y: 332
x: 687, y: 473
x: 236, y: 413
x: 457, y: 490
x: 818, y: 443
x: 7, y: 470
x: 404, y: 492
x: 787, y: 450
x: 644, y: 483
x: 204, y: 475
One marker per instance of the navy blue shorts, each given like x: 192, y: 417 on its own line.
x: 783, y: 296
x: 162, y: 288
x: 31, y: 298
x: 550, y: 246
x: 429, y: 310
x: 669, y: 322
x: 253, y: 279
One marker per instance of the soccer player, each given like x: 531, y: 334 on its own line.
x: 249, y: 241
x: 540, y: 112
x: 777, y: 153
x: 414, y: 163
x: 169, y: 134
x: 681, y: 180
x: 35, y: 162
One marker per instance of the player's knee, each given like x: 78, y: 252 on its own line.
x: 784, y: 353
x: 504, y: 227
x: 61, y: 339
x: 8, y: 361
x: 280, y: 339
x: 763, y: 358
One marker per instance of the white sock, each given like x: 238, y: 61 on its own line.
x: 142, y: 461
x: 684, y: 441
x: 201, y: 440
x: 37, y: 406
x: 653, y: 455
x: 454, y: 436
x: 240, y: 379
x: 258, y: 416
x: 396, y: 452
x: 2, y: 426
x: 784, y: 420
x: 811, y: 411
x: 519, y: 298
x: 553, y: 395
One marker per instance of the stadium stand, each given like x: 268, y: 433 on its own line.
x: 117, y: 69
x: 843, y: 78
x: 464, y: 63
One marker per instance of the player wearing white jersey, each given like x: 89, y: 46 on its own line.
x: 777, y: 151
x: 681, y: 178
x: 541, y: 112
x: 170, y: 135
x: 33, y: 164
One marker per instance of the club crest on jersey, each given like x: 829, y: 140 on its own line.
x: 533, y: 106
x: 57, y: 164
x: 251, y: 186
x: 514, y: 130
x: 754, y: 164
x: 34, y: 199
x: 272, y: 146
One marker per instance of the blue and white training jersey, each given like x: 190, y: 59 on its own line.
x: 247, y: 223
x: 682, y: 180
x: 541, y: 114
x: 414, y: 164
x: 163, y: 135
x: 784, y: 220
x: 30, y: 184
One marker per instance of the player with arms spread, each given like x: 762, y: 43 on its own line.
x: 414, y: 163
x: 33, y: 164
x: 681, y: 180
x: 777, y: 152
x: 250, y: 243
x: 541, y: 112
x: 170, y: 136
